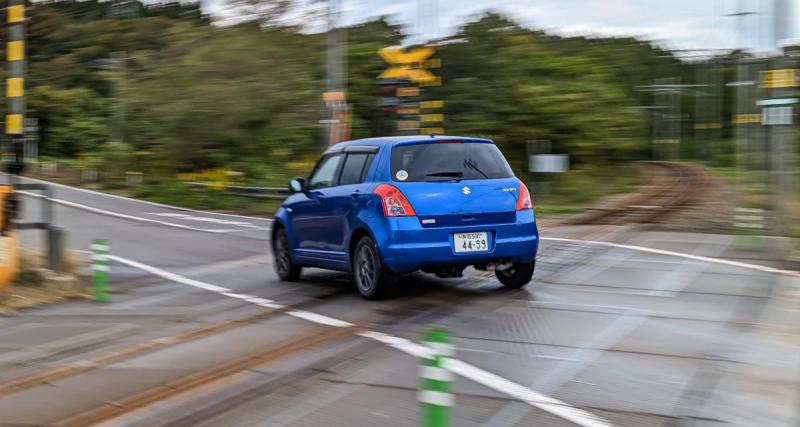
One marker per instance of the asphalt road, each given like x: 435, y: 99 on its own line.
x: 631, y: 337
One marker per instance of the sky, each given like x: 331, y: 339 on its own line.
x: 675, y: 24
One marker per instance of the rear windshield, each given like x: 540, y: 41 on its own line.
x: 448, y: 161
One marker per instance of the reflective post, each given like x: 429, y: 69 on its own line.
x: 436, y: 395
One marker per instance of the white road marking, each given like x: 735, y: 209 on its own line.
x: 466, y: 370
x: 209, y: 219
x: 147, y: 202
x: 319, y: 318
x: 738, y: 264
x: 533, y: 398
x: 125, y: 216
x: 171, y: 276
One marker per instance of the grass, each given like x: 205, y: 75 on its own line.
x: 179, y: 194
x: 576, y: 190
x: 36, y: 286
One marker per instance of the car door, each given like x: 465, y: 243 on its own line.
x: 312, y: 220
x: 346, y: 197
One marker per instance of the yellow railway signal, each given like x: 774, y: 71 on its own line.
x: 398, y: 56
x: 408, y: 65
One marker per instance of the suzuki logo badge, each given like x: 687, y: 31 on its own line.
x: 466, y: 191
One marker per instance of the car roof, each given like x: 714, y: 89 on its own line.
x: 398, y: 140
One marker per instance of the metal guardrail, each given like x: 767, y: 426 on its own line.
x: 246, y: 191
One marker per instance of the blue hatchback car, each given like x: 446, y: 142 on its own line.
x: 382, y: 207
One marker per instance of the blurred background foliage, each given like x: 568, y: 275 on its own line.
x: 180, y: 94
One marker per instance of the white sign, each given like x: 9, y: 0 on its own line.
x: 548, y: 163
x: 776, y: 116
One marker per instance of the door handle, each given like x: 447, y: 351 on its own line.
x: 355, y: 195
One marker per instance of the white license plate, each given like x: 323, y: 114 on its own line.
x: 471, y: 242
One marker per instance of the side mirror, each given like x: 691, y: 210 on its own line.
x: 297, y: 185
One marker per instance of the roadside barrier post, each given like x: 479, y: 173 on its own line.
x: 100, y: 269
x: 55, y: 247
x: 436, y: 396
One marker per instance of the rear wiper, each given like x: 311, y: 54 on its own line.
x: 471, y: 164
x: 450, y: 174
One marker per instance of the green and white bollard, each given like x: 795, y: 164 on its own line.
x: 436, y: 395
x: 100, y: 269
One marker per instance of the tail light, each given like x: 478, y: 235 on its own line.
x: 524, y: 198
x: 394, y: 201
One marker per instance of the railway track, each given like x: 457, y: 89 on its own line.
x: 210, y: 380
x: 70, y: 369
x: 673, y: 187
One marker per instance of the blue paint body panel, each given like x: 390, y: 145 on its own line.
x: 321, y: 223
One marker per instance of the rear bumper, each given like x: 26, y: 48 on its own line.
x: 406, y: 246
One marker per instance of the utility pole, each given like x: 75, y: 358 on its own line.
x: 742, y: 85
x: 338, y: 112
x: 334, y: 64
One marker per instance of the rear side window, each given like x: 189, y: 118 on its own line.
x: 447, y: 161
x: 355, y: 168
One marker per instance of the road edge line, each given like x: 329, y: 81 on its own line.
x: 147, y: 202
x: 730, y: 263
x: 126, y: 216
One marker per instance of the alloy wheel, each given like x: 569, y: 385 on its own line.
x: 365, y: 269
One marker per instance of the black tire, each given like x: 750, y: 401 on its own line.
x: 516, y: 276
x: 281, y: 254
x: 373, y: 281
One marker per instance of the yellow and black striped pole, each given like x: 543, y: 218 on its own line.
x: 15, y: 83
